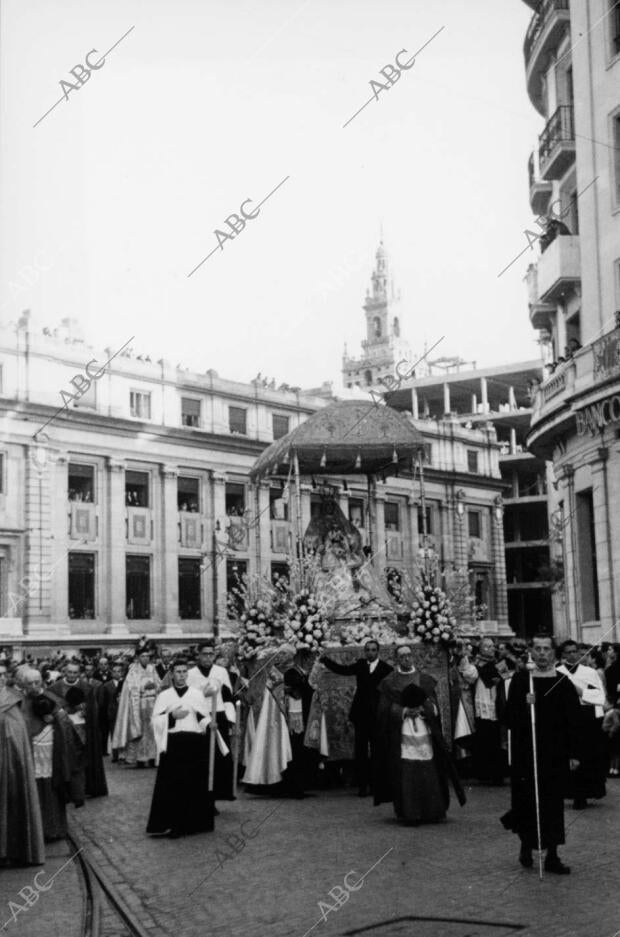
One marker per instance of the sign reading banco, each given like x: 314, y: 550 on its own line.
x: 597, y: 416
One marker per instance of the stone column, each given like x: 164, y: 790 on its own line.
x: 602, y: 534
x: 414, y: 540
x: 216, y: 572
x: 446, y: 399
x: 566, y: 478
x: 499, y: 563
x: 167, y: 557
x: 483, y: 394
x: 415, y: 411
x: 512, y: 400
x: 262, y: 530
x: 114, y: 542
x: 61, y: 545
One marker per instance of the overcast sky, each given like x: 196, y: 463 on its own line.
x: 206, y: 103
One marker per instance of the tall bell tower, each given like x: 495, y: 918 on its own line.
x: 383, y: 346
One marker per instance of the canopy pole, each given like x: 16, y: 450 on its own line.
x: 423, y: 506
x: 371, y: 507
x: 298, y: 532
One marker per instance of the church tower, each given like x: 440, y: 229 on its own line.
x: 383, y: 346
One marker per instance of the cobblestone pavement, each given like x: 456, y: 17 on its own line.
x: 456, y: 879
x: 54, y: 911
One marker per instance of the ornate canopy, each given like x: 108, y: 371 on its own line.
x: 349, y: 437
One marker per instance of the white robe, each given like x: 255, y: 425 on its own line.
x: 218, y: 677
x: 271, y: 747
x: 168, y: 700
x: 590, y: 681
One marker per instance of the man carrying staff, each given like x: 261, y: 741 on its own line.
x: 557, y: 720
x: 207, y: 677
x: 181, y: 802
x: 589, y: 778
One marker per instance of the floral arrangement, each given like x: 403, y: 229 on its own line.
x: 308, y: 626
x: 432, y: 619
x: 256, y: 631
x: 360, y: 632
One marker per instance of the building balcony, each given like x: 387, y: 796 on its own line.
x: 540, y: 189
x: 550, y: 21
x: 559, y: 269
x: 540, y: 313
x: 556, y: 144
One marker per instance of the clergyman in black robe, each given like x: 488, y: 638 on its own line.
x: 182, y: 802
x: 388, y: 762
x: 96, y: 785
x: 557, y: 718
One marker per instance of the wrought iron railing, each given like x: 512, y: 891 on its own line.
x: 560, y: 129
x: 542, y: 15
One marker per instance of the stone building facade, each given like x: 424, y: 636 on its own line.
x: 126, y: 506
x: 572, y: 63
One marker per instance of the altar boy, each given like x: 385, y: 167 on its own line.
x: 181, y: 801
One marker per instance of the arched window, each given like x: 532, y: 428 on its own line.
x: 377, y: 325
x: 396, y: 327
x: 368, y: 377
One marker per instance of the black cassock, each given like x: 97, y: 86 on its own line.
x: 181, y: 799
x: 557, y: 717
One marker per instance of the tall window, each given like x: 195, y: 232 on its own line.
x: 429, y: 520
x: 616, y: 156
x: 278, y: 508
x: 391, y: 515
x: 377, y: 326
x: 474, y: 524
x: 138, y: 586
x: 188, y: 494
x: 237, y: 420
x: 190, y: 411
x: 140, y: 404
x: 472, y: 460
x: 586, y: 544
x: 368, y: 377
x: 235, y: 499
x: 614, y: 26
x: 81, y: 585
x: 81, y: 482
x: 189, y: 587
x: 136, y: 489
x: 279, y: 572
x: 280, y: 425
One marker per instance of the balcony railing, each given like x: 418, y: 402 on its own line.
x: 559, y: 133
x: 545, y: 10
x: 555, y: 385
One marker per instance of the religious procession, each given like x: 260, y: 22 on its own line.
x: 333, y: 681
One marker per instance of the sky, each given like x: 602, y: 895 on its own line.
x: 115, y: 196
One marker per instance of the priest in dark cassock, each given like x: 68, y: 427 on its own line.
x: 55, y: 745
x: 588, y: 781
x: 181, y: 801
x: 412, y: 765
x: 21, y: 827
x: 96, y: 785
x: 557, y: 725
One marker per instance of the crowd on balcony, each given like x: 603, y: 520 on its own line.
x: 569, y: 352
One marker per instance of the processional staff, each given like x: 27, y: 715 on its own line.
x: 530, y: 668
